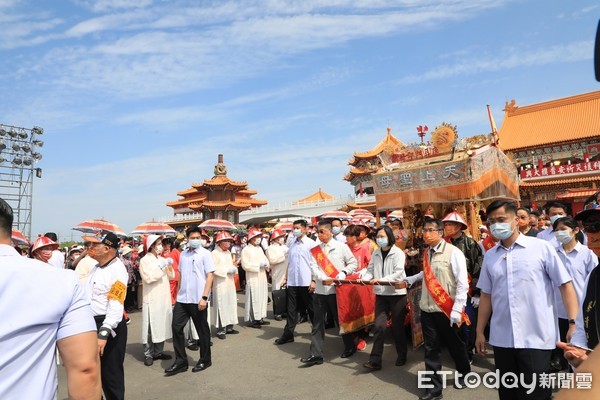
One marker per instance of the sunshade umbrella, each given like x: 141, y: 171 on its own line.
x: 284, y: 226
x: 96, y: 226
x: 154, y: 228
x: 359, y: 212
x: 336, y: 214
x: 217, y: 225
x: 397, y: 214
x: 18, y: 237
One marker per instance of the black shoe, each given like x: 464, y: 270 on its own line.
x: 148, y: 361
x: 329, y: 326
x: 459, y: 384
x: 312, y: 360
x: 432, y: 396
x: 193, y: 346
x: 175, y: 369
x: 162, y: 356
x: 348, y: 352
x: 372, y: 366
x: 302, y: 319
x: 400, y: 362
x: 255, y: 325
x: 283, y: 340
x: 201, y: 366
x: 277, y: 318
x: 556, y: 364
x: 263, y: 322
x: 221, y: 335
x: 232, y: 332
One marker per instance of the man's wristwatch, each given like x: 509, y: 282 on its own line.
x: 205, y: 298
x: 103, y: 333
x: 571, y: 322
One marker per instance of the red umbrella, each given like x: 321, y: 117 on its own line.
x: 336, y: 214
x: 360, y: 213
x: 18, y: 237
x: 154, y: 228
x: 217, y: 225
x: 96, y: 226
x: 284, y: 226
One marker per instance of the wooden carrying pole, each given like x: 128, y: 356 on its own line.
x: 397, y: 285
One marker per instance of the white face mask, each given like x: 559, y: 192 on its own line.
x: 203, y: 242
x: 159, y: 248
x: 279, y: 240
x: 554, y: 218
x: 297, y: 232
x: 563, y: 237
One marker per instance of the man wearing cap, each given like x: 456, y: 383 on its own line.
x: 107, y: 288
x: 157, y: 314
x: 224, y: 298
x: 277, y: 256
x: 74, y: 254
x: 454, y: 225
x: 518, y: 278
x: 297, y: 279
x: 329, y: 257
x: 255, y: 263
x: 196, y: 267
x: 54, y: 313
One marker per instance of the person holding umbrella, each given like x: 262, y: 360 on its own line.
x: 157, y: 314
x: 255, y: 263
x: 224, y: 301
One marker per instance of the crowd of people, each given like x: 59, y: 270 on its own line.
x: 529, y: 283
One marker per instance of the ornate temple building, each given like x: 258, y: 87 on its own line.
x: 556, y: 145
x: 318, y: 196
x: 219, y: 198
x: 363, y: 165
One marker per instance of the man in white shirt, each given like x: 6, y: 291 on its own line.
x: 58, y: 258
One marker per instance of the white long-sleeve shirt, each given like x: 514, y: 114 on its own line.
x: 99, y: 283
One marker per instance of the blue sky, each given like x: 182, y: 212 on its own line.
x: 137, y: 97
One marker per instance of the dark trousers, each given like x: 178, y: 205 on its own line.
x: 437, y: 331
x: 321, y: 304
x: 526, y: 362
x: 468, y: 331
x: 557, y: 354
x: 182, y: 312
x: 112, y: 372
x: 396, y: 305
x: 297, y: 296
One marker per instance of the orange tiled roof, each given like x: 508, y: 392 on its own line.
x: 220, y: 180
x: 247, y: 192
x: 320, y: 195
x: 388, y: 143
x: 577, y: 193
x: 566, y: 119
x: 565, y: 181
x: 187, y: 191
x: 221, y: 204
x: 366, y: 206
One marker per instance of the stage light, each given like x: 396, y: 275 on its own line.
x: 36, y: 130
x: 13, y: 133
x: 17, y: 161
x: 15, y: 146
x: 38, y: 143
x: 22, y: 134
x: 27, y: 160
x: 26, y: 147
x: 3, y: 132
x: 36, y: 156
x: 2, y: 144
x: 2, y: 159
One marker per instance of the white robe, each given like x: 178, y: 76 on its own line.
x: 157, y: 312
x: 224, y: 298
x: 257, y: 289
x: 277, y: 256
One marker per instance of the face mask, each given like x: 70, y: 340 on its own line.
x: 451, y: 230
x: 430, y: 238
x: 279, y: 240
x: 195, y: 243
x: 501, y: 230
x: 344, y: 227
x: 159, y: 248
x: 336, y: 230
x: 203, y: 242
x: 382, y: 242
x: 563, y: 237
x: 297, y: 232
x: 44, y: 255
x: 554, y: 218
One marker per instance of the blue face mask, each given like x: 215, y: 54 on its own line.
x: 554, y: 218
x: 194, y: 243
x: 297, y: 232
x: 501, y: 230
x: 336, y: 230
x: 382, y: 242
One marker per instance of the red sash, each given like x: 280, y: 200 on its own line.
x: 488, y: 243
x: 438, y: 293
x: 323, y: 262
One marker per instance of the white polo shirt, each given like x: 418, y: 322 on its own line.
x: 40, y: 305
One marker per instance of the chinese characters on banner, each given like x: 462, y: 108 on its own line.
x: 557, y: 170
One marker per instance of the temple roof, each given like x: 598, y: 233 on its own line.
x: 319, y: 195
x: 220, y: 180
x: 387, y: 144
x: 187, y: 191
x: 560, y: 120
x: 553, y: 182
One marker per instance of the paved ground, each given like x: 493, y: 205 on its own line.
x: 249, y: 366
